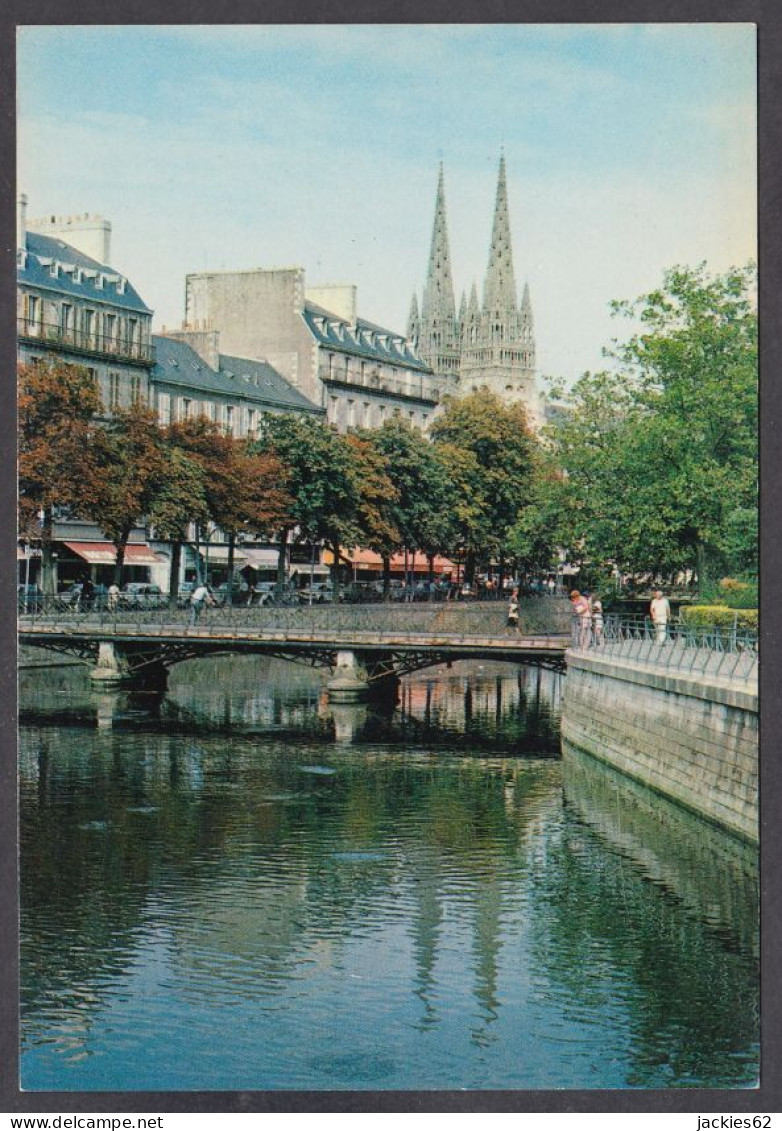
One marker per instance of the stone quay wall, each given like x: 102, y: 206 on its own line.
x: 693, y: 739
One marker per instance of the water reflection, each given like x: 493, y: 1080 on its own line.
x: 350, y: 898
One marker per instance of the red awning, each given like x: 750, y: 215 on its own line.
x: 103, y: 553
x: 368, y: 559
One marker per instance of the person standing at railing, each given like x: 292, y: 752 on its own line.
x: 582, y: 619
x: 597, y: 620
x: 660, y: 612
x: 112, y: 600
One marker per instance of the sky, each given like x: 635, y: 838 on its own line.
x: 629, y: 149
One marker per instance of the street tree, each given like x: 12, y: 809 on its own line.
x: 661, y: 454
x: 181, y: 500
x: 244, y: 490
x: 130, y: 472
x: 499, y: 475
x: 421, y: 510
x: 323, y: 482
x: 58, y: 407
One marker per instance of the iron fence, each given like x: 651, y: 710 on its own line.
x: 541, y: 617
x: 725, y: 653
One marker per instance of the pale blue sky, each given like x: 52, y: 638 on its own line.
x: 629, y: 148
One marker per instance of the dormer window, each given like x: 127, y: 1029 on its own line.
x: 120, y: 286
x: 54, y: 270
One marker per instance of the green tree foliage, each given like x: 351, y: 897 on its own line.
x: 324, y: 481
x: 180, y: 501
x: 421, y: 509
x: 661, y: 456
x: 245, y: 490
x: 491, y: 455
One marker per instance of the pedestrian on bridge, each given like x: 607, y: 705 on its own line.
x: 200, y: 597
x: 513, y: 611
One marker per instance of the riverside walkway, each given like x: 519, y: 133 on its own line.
x: 367, y: 643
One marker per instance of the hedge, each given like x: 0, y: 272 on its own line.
x: 718, y: 616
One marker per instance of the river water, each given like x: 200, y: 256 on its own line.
x: 237, y: 886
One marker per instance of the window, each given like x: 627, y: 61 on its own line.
x: 367, y: 414
x: 89, y: 326
x: 351, y: 414
x: 113, y: 390
x: 164, y: 408
x: 187, y: 406
x: 33, y: 311
x: 132, y: 335
x: 230, y: 422
x: 250, y: 421
x: 333, y: 413
x: 135, y: 389
x: 110, y: 329
x: 66, y: 319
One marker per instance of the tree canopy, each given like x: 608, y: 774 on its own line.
x: 661, y: 455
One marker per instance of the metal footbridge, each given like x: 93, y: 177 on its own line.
x: 384, y: 640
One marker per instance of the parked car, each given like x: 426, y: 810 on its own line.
x: 29, y: 598
x: 319, y: 593
x: 141, y: 595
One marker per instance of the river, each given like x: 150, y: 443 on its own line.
x: 237, y: 886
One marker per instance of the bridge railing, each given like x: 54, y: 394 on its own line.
x: 540, y: 617
x: 718, y: 652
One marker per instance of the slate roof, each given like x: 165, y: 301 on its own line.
x: 238, y: 379
x: 34, y: 269
x: 364, y: 340
x: 259, y: 379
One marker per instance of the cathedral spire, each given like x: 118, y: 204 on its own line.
x: 438, y: 304
x: 499, y: 290
x: 438, y: 341
x: 413, y: 321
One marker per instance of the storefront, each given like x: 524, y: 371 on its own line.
x: 96, y: 560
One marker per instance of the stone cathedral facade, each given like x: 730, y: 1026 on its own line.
x: 489, y: 343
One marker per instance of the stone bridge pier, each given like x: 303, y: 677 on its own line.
x: 123, y: 665
x: 357, y: 676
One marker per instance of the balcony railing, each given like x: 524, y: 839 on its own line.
x: 110, y: 346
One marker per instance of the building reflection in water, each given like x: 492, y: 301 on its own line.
x: 361, y: 901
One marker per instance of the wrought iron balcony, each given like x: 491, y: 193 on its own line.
x: 109, y: 347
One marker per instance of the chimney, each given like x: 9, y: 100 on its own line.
x: 21, y: 221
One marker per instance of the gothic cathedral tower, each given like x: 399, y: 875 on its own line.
x: 435, y: 330
x: 490, y: 344
x: 500, y: 351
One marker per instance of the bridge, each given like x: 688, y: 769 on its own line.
x: 362, y: 645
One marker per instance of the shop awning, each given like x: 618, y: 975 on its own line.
x: 304, y: 570
x: 260, y: 558
x: 368, y: 559
x: 218, y: 555
x: 103, y: 553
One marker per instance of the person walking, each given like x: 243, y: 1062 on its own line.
x: 660, y: 612
x: 513, y: 611
x: 200, y: 597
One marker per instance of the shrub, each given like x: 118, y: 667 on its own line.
x: 719, y: 616
x: 733, y: 593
